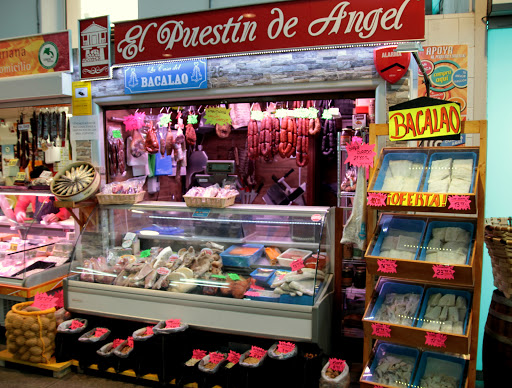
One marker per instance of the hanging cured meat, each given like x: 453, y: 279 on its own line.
x: 169, y: 141
x: 152, y: 145
x: 302, y: 158
x: 264, y: 137
x: 190, y: 135
x: 253, y: 140
x: 137, y: 147
x: 328, y: 137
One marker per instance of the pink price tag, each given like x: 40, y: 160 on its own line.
x: 444, y: 272
x: 297, y: 264
x: 436, y: 340
x: 163, y: 271
x: 149, y: 330
x: 100, y: 331
x: 386, y: 266
x: 257, y: 352
x: 285, y: 347
x: 256, y: 287
x: 130, y: 342
x: 336, y: 364
x: 198, y: 354
x: 360, y: 154
x: 172, y: 323
x: 59, y: 299
x: 459, y: 202
x: 215, y: 357
x: 381, y: 330
x: 252, y: 293
x: 377, y: 199
x: 233, y: 357
x: 117, y: 342
x: 75, y: 324
x: 44, y: 301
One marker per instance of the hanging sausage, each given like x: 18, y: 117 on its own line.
x: 151, y: 144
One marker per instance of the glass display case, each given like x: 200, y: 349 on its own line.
x: 250, y: 269
x: 36, y: 239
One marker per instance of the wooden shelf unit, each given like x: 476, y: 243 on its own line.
x: 470, y: 275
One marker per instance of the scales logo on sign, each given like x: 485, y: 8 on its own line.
x: 48, y: 55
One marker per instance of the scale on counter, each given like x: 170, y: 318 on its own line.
x: 217, y: 171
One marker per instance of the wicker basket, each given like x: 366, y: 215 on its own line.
x: 120, y: 199
x: 209, y: 202
x: 498, y: 239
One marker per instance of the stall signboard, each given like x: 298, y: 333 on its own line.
x: 165, y: 76
x: 425, y: 122
x: 94, y: 51
x: 284, y: 26
x: 35, y: 54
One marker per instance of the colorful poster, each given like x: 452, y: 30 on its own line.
x: 94, y: 48
x: 46, y: 53
x: 447, y: 68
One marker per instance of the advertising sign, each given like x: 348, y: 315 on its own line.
x: 94, y: 51
x: 160, y: 77
x: 46, y: 53
x: 391, y: 65
x: 269, y: 27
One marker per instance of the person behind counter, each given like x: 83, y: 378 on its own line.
x: 43, y: 208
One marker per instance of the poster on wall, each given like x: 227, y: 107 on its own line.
x: 447, y: 68
x: 94, y: 51
x: 36, y: 54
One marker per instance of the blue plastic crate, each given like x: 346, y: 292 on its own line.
x: 416, y: 157
x: 265, y: 296
x: 262, y: 275
x: 230, y: 260
x: 467, y: 226
x: 450, y: 363
x: 397, y: 288
x: 384, y: 349
x: 443, y: 291
x: 453, y: 155
x: 392, y: 222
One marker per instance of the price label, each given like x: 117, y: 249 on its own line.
x: 24, y: 127
x: 381, y: 330
x: 45, y: 174
x: 312, y: 113
x: 218, y: 276
x: 257, y: 352
x: 256, y: 115
x: 198, y: 354
x: 129, y: 342
x: 444, y: 272
x: 234, y: 276
x: 282, y: 113
x: 233, y: 357
x: 216, y: 358
x: 149, y: 330
x: 201, y: 213
x: 326, y: 114
x: 436, y: 340
x: 117, y: 342
x: 256, y: 287
x: 172, y: 323
x: 163, y: 271
x: 360, y: 154
x: 337, y: 364
x: 75, y: 324
x: 377, y: 199
x: 285, y: 347
x: 459, y: 202
x: 129, y: 236
x: 386, y: 266
x: 21, y: 176
x: 100, y: 331
x: 297, y: 264
x: 254, y: 294
x: 192, y: 119
x: 207, y: 251
x: 59, y: 299
x: 145, y: 253
x: 44, y: 301
x: 12, y: 162
x: 13, y: 247
x: 116, y: 134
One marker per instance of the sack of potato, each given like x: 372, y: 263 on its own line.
x: 30, y: 333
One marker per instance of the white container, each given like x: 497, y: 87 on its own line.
x: 285, y: 259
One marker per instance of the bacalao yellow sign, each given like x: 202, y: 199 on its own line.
x: 425, y: 122
x: 35, y: 54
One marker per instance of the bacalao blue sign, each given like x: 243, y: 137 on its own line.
x: 159, y: 77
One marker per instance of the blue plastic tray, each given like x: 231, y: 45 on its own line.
x: 385, y: 348
x: 266, y: 296
x: 416, y: 157
x: 444, y: 291
x: 468, y: 226
x: 398, y: 288
x: 420, y: 370
x: 241, y: 261
x: 393, y: 222
x: 262, y: 278
x: 271, y: 279
x: 453, y: 155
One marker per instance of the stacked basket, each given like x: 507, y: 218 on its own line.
x: 498, y: 239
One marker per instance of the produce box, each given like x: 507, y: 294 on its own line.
x: 438, y: 364
x: 241, y: 255
x: 455, y: 156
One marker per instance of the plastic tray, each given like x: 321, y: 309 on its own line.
x: 300, y: 254
x: 392, y: 222
x: 444, y: 291
x: 398, y: 288
x: 447, y: 365
x: 416, y: 157
x: 453, y: 155
x: 468, y: 226
x: 278, y: 272
x: 241, y: 261
x: 384, y: 349
x: 264, y: 296
x: 262, y: 275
